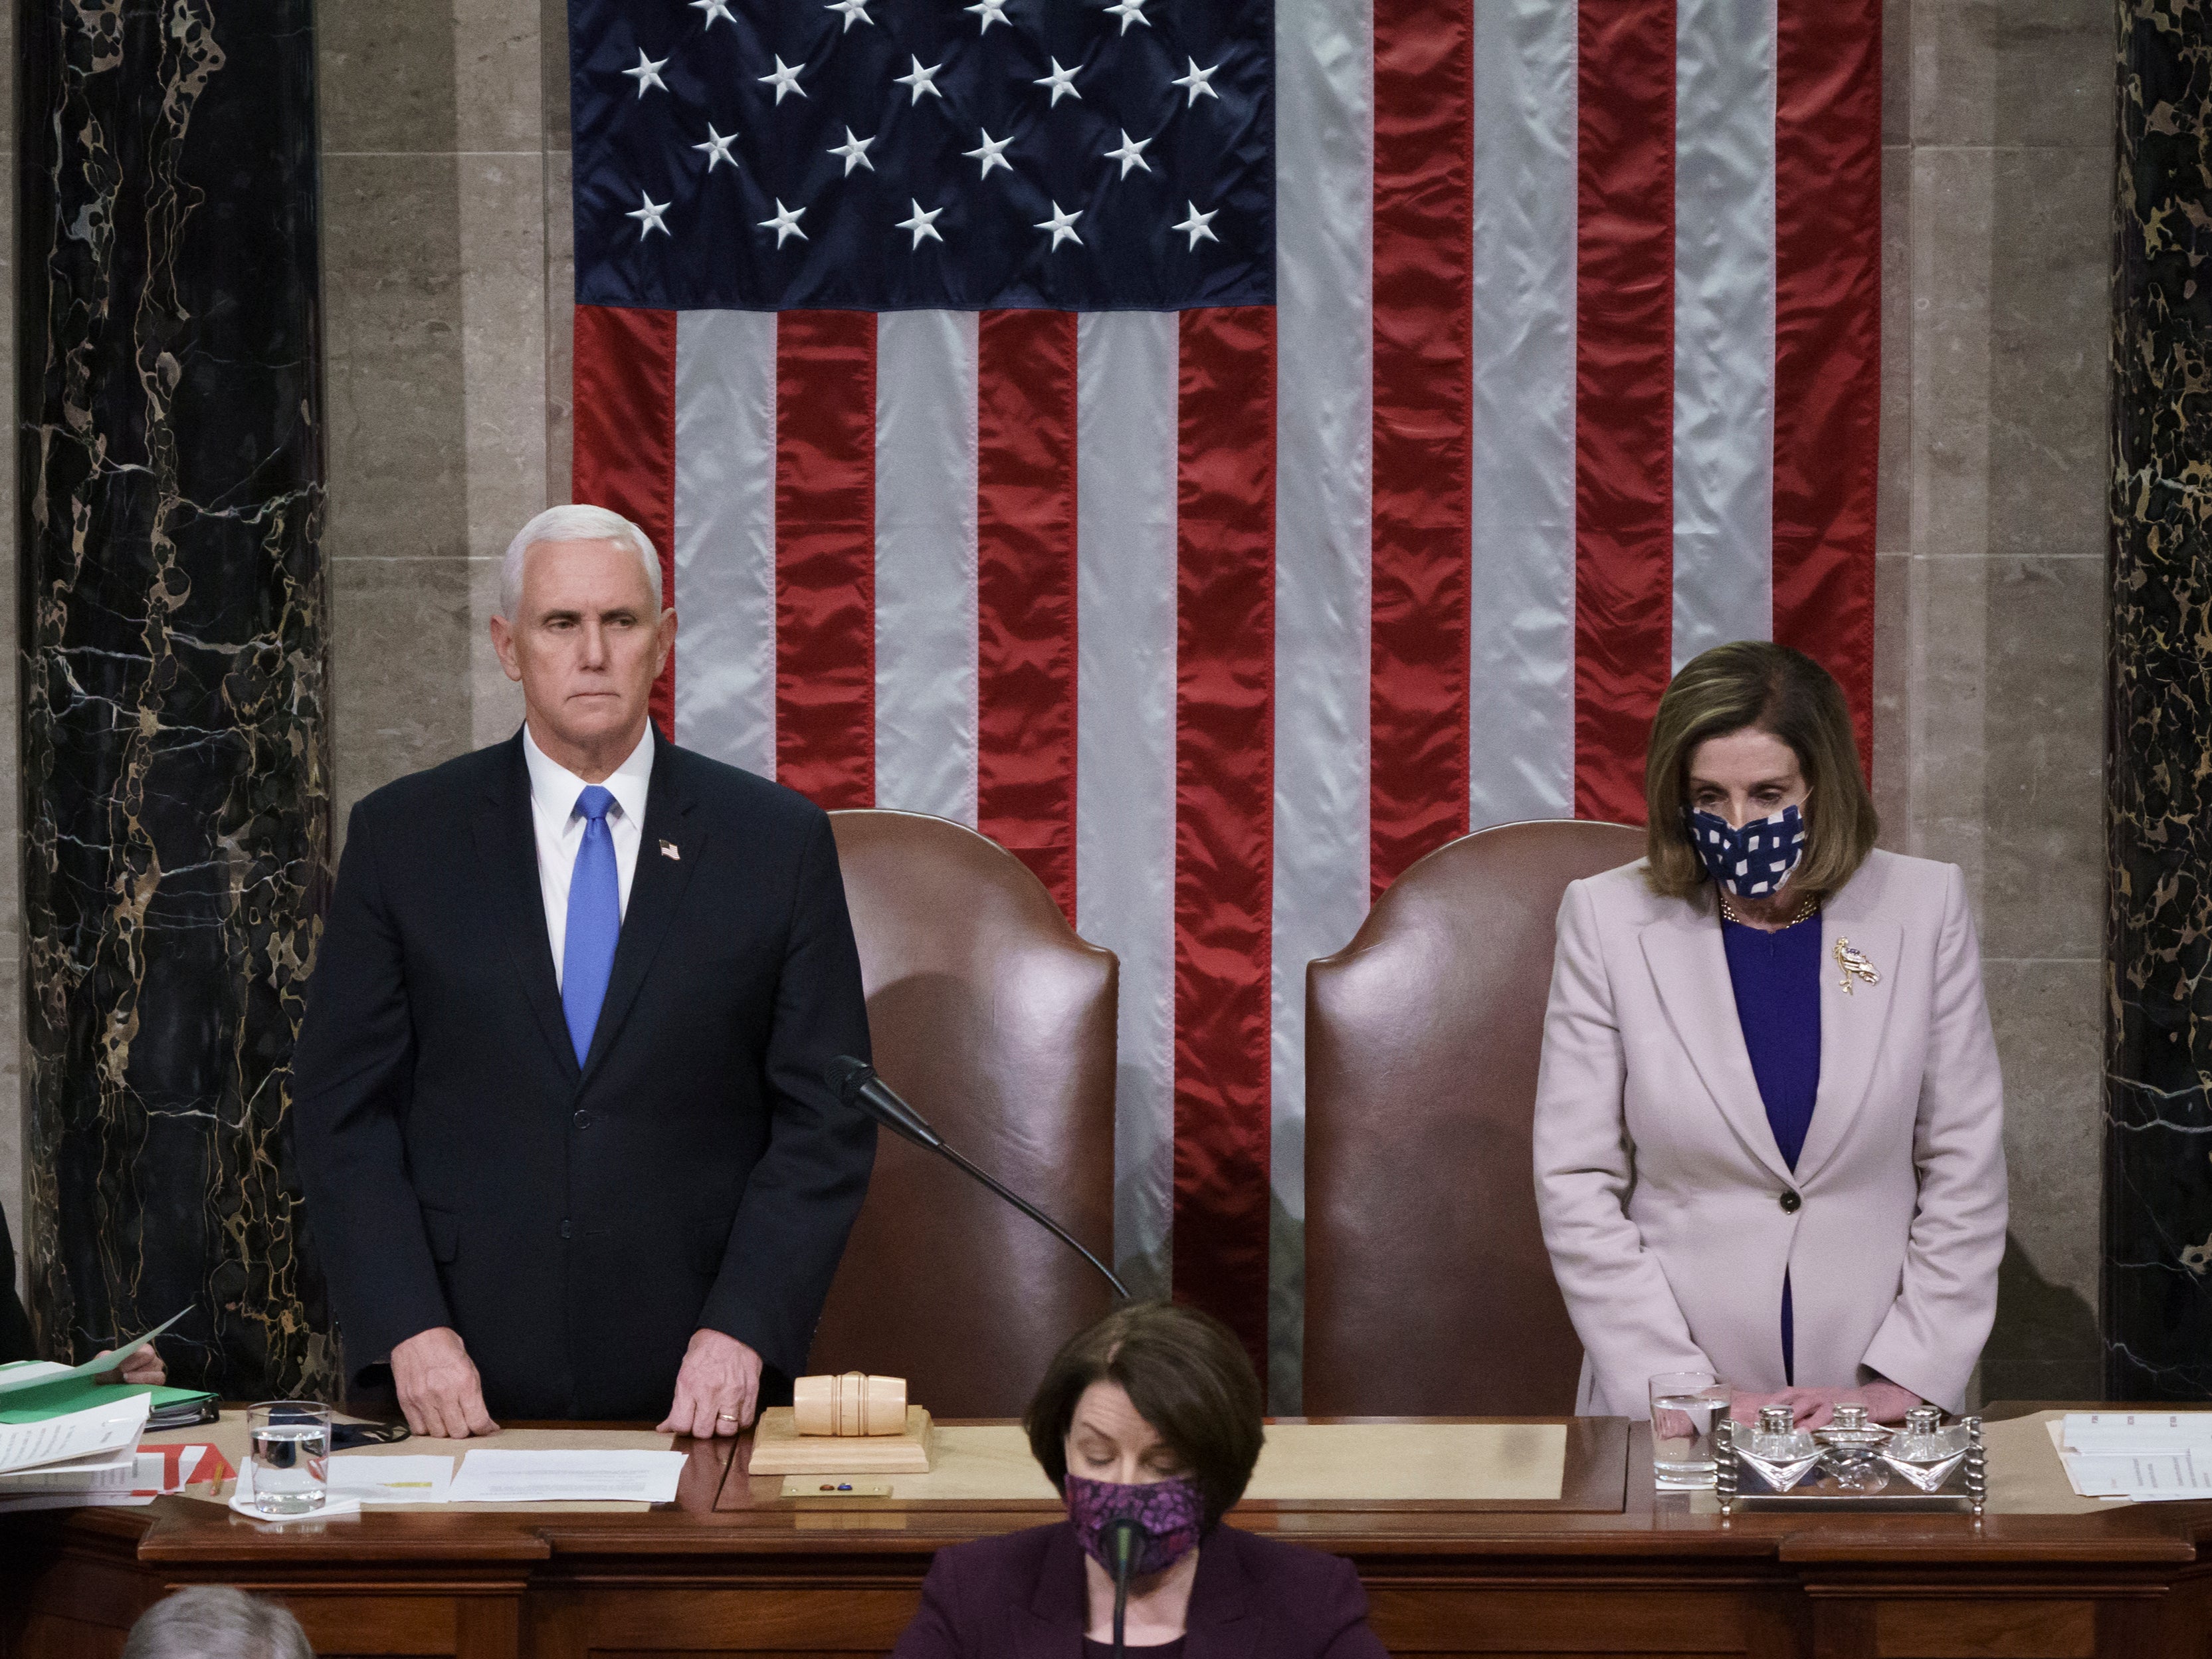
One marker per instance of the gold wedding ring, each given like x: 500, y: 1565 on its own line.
x: 726, y: 1416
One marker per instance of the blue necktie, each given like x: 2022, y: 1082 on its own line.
x: 588, y: 954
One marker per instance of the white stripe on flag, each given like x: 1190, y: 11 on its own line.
x: 726, y: 536
x: 1127, y: 368
x: 926, y: 679
x: 1521, y: 723
x: 1723, y: 323
x: 1324, y: 519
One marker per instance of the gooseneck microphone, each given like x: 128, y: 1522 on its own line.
x: 855, y: 1083
x: 1124, y: 1532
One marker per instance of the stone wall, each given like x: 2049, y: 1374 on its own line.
x: 1990, y: 595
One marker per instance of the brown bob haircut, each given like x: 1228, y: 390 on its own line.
x: 1773, y: 689
x: 1186, y: 1374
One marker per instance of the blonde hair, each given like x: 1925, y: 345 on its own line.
x: 1755, y: 685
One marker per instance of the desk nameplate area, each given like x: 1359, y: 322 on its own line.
x: 1338, y: 1464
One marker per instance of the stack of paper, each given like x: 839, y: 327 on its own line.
x: 138, y: 1477
x: 2137, y: 1456
x: 73, y: 1457
x: 66, y: 1437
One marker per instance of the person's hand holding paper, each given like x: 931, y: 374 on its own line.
x: 141, y: 1365
x: 136, y: 1363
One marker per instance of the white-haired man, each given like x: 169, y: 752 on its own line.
x: 558, y: 1094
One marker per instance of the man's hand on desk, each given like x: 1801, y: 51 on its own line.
x: 717, y: 1388
x: 439, y: 1388
x: 1813, y: 1408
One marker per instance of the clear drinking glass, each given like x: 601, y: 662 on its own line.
x: 1684, y: 1406
x: 289, y: 1448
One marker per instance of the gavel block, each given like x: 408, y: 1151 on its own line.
x: 849, y: 1424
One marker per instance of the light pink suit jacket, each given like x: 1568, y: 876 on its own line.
x: 1660, y: 1183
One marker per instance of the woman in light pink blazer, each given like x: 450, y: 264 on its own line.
x: 1762, y: 963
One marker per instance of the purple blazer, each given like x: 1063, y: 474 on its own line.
x: 1021, y: 1595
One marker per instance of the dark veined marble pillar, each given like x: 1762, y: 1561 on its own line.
x: 175, y: 759
x: 2157, y: 1141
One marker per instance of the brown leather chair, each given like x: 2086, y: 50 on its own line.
x: 1428, y: 1289
x: 991, y: 1016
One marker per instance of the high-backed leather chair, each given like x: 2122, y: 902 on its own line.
x: 991, y: 1016
x: 1428, y: 1289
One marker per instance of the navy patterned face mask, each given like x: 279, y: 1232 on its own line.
x: 1752, y: 862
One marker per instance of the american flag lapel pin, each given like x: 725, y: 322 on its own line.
x: 668, y: 851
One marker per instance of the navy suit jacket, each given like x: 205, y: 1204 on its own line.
x: 576, y: 1223
x: 1022, y: 1595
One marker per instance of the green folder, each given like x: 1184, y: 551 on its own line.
x: 76, y: 1393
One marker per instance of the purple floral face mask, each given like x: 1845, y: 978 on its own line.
x: 1168, y: 1513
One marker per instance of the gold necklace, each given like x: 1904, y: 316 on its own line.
x: 1804, y: 911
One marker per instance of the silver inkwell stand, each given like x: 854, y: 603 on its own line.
x: 1927, y: 1465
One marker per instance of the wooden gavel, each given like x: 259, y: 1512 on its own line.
x: 851, y: 1404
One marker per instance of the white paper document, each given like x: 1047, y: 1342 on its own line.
x: 30, y: 1373
x: 75, y: 1436
x: 2149, y: 1476
x: 73, y: 1500
x: 2142, y: 1457
x: 553, y: 1477
x: 115, y: 1471
x: 123, y: 1477
x: 2136, y: 1431
x: 375, y: 1479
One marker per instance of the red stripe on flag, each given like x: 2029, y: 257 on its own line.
x: 1026, y: 591
x: 1423, y: 388
x: 1624, y: 399
x: 1827, y: 337
x: 1224, y: 831
x: 623, y: 454
x: 825, y: 556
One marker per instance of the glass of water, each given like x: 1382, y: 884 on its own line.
x: 1684, y: 1406
x: 289, y: 1448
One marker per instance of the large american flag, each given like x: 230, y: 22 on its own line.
x: 1223, y: 453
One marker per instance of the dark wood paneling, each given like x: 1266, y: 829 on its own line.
x: 1955, y: 1628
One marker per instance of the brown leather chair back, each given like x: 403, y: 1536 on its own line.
x: 991, y: 1016
x: 1428, y: 1289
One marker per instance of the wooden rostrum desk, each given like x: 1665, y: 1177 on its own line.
x: 1610, y: 1569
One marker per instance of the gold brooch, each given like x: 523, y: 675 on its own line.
x: 1854, y: 963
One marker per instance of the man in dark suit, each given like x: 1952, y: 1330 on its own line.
x: 558, y: 1093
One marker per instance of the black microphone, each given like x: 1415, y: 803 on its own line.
x: 1124, y: 1532
x: 856, y: 1083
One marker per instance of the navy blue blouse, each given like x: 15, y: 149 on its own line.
x: 1776, y: 978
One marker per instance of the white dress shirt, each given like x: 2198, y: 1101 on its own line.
x: 560, y: 827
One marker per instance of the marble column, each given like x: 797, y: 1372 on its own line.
x: 2157, y: 1145
x: 175, y: 764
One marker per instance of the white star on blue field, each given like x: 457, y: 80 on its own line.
x: 903, y: 155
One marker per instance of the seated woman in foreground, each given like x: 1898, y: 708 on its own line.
x: 1769, y: 1132
x: 1151, y: 1416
